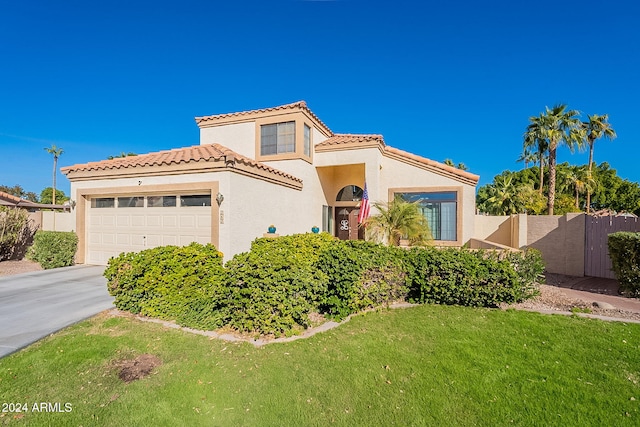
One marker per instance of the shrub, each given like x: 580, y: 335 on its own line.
x: 624, y: 251
x: 275, y: 286
x: 13, y: 230
x: 53, y: 249
x: 185, y: 284
x: 361, y: 275
x: 464, y: 277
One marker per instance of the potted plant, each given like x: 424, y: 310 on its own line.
x: 315, y: 229
x: 272, y: 229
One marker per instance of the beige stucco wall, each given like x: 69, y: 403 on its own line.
x: 253, y: 205
x: 561, y: 241
x: 58, y: 221
x: 496, y: 229
x: 397, y: 174
x: 239, y: 137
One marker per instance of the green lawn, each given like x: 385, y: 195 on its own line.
x: 428, y: 365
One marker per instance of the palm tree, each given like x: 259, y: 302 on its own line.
x: 582, y: 182
x: 57, y: 152
x: 398, y: 219
x: 535, y: 139
x: 460, y: 165
x: 503, y: 197
x: 597, y: 127
x: 559, y: 126
x: 527, y: 157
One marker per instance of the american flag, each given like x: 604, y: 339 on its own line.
x: 364, y: 206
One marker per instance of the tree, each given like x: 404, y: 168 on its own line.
x: 46, y: 196
x: 582, y: 182
x: 597, y: 127
x: 535, y: 141
x: 501, y: 197
x: 18, y: 191
x: 121, y: 155
x: 56, y: 152
x: 460, y: 165
x: 398, y: 219
x: 558, y: 126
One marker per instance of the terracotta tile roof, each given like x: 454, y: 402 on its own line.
x: 10, y: 197
x: 428, y: 162
x: 364, y: 140
x: 194, y: 153
x: 7, y: 199
x: 350, y: 138
x: 300, y: 105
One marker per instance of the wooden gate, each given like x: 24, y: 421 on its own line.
x: 596, y: 251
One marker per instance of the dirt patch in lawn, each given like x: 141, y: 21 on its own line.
x: 137, y: 368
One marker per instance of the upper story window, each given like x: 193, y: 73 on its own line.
x: 278, y: 138
x: 307, y: 141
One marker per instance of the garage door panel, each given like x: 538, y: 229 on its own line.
x: 169, y: 240
x: 95, y: 238
x: 170, y: 221
x: 204, y: 221
x: 123, y: 239
x: 154, y: 221
x: 187, y: 221
x: 111, y: 231
x: 138, y: 220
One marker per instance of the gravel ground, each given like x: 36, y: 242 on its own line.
x: 9, y: 268
x: 552, y: 298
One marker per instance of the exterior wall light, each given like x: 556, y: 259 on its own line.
x: 219, y: 199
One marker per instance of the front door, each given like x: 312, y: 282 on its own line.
x: 347, y: 224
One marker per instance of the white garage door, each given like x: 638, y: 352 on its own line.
x: 133, y: 223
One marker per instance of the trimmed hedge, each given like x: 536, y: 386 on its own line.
x: 361, y: 275
x: 186, y: 284
x: 624, y: 251
x: 469, y: 277
x: 273, y: 288
x: 53, y: 249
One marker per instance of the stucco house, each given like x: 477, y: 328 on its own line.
x: 279, y: 165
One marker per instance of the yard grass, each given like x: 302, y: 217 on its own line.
x: 427, y: 365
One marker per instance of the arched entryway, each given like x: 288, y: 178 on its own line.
x: 347, y: 210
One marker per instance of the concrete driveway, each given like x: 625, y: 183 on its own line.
x: 34, y: 305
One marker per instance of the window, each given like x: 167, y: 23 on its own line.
x: 103, y: 202
x: 350, y: 193
x: 327, y: 219
x: 278, y: 138
x: 440, y: 209
x: 130, y: 202
x: 161, y: 201
x: 307, y: 140
x: 199, y: 200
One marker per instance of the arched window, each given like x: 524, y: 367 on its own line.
x: 350, y: 193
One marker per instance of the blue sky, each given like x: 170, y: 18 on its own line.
x: 443, y: 80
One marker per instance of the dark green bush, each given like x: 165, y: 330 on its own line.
x: 361, y: 275
x: 272, y: 289
x: 275, y: 286
x: 624, y: 251
x: 469, y: 278
x: 53, y: 249
x: 186, y: 284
